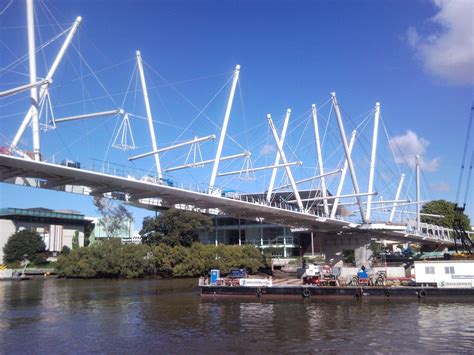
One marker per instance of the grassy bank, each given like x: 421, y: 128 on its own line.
x: 111, y: 259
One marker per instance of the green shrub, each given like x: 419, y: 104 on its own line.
x: 111, y: 259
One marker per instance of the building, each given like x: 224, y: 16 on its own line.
x: 57, y: 228
x: 281, y: 241
x: 235, y: 231
x: 126, y: 234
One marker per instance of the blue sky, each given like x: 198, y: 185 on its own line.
x: 415, y: 57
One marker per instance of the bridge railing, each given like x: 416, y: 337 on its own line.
x: 120, y: 170
x: 431, y: 231
x: 109, y: 168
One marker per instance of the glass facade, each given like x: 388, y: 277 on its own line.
x: 235, y: 231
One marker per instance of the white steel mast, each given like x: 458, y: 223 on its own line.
x: 343, y: 176
x: 21, y: 88
x: 260, y: 168
x: 372, y: 159
x: 314, y: 113
x: 48, y: 80
x: 34, y: 89
x: 204, y: 162
x: 397, y: 196
x: 171, y: 147
x: 348, y: 156
x: 277, y: 158
x: 310, y: 179
x: 215, y: 167
x: 417, y: 157
x: 285, y: 162
x: 149, y: 117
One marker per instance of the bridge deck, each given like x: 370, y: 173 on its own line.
x: 51, y: 176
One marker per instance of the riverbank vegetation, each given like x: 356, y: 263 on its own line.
x: 111, y: 259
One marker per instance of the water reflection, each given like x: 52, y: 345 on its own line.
x: 123, y: 316
x: 439, y: 320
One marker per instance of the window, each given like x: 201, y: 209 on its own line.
x: 449, y: 269
x: 429, y: 270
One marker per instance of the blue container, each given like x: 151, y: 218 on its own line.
x: 215, y: 275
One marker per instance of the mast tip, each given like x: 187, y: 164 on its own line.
x: 237, y: 67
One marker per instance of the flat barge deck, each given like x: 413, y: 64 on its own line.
x: 305, y: 291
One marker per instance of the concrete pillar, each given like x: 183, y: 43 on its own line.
x: 362, y: 255
x: 215, y: 224
x: 240, y: 234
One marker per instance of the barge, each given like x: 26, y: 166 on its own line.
x: 305, y: 291
x: 448, y: 279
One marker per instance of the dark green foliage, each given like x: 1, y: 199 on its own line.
x: 111, y: 259
x: 65, y: 250
x: 348, y: 256
x: 39, y: 260
x: 75, y: 240
x: 174, y: 227
x: 446, y: 209
x: 23, y: 244
x: 376, y: 248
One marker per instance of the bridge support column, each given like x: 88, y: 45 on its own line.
x: 362, y: 255
x: 240, y: 233
x: 333, y: 247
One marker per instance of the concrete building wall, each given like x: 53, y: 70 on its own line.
x: 55, y: 237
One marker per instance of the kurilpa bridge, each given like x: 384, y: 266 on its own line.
x: 347, y: 210
x: 154, y: 195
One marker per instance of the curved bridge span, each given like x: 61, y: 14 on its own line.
x: 151, y: 195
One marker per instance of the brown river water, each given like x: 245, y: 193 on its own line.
x: 168, y: 316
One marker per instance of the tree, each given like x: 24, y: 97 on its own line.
x: 75, y: 240
x: 174, y: 227
x: 23, y: 244
x: 114, y: 218
x: 348, y: 256
x: 446, y: 209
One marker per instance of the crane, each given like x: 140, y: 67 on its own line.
x: 459, y: 231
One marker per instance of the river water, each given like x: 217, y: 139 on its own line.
x: 169, y: 316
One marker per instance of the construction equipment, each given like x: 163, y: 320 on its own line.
x: 319, y: 276
x: 467, y: 244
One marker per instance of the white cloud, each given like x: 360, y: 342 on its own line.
x: 448, y: 51
x: 407, y: 146
x: 441, y: 187
x: 412, y: 36
x: 267, y: 149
